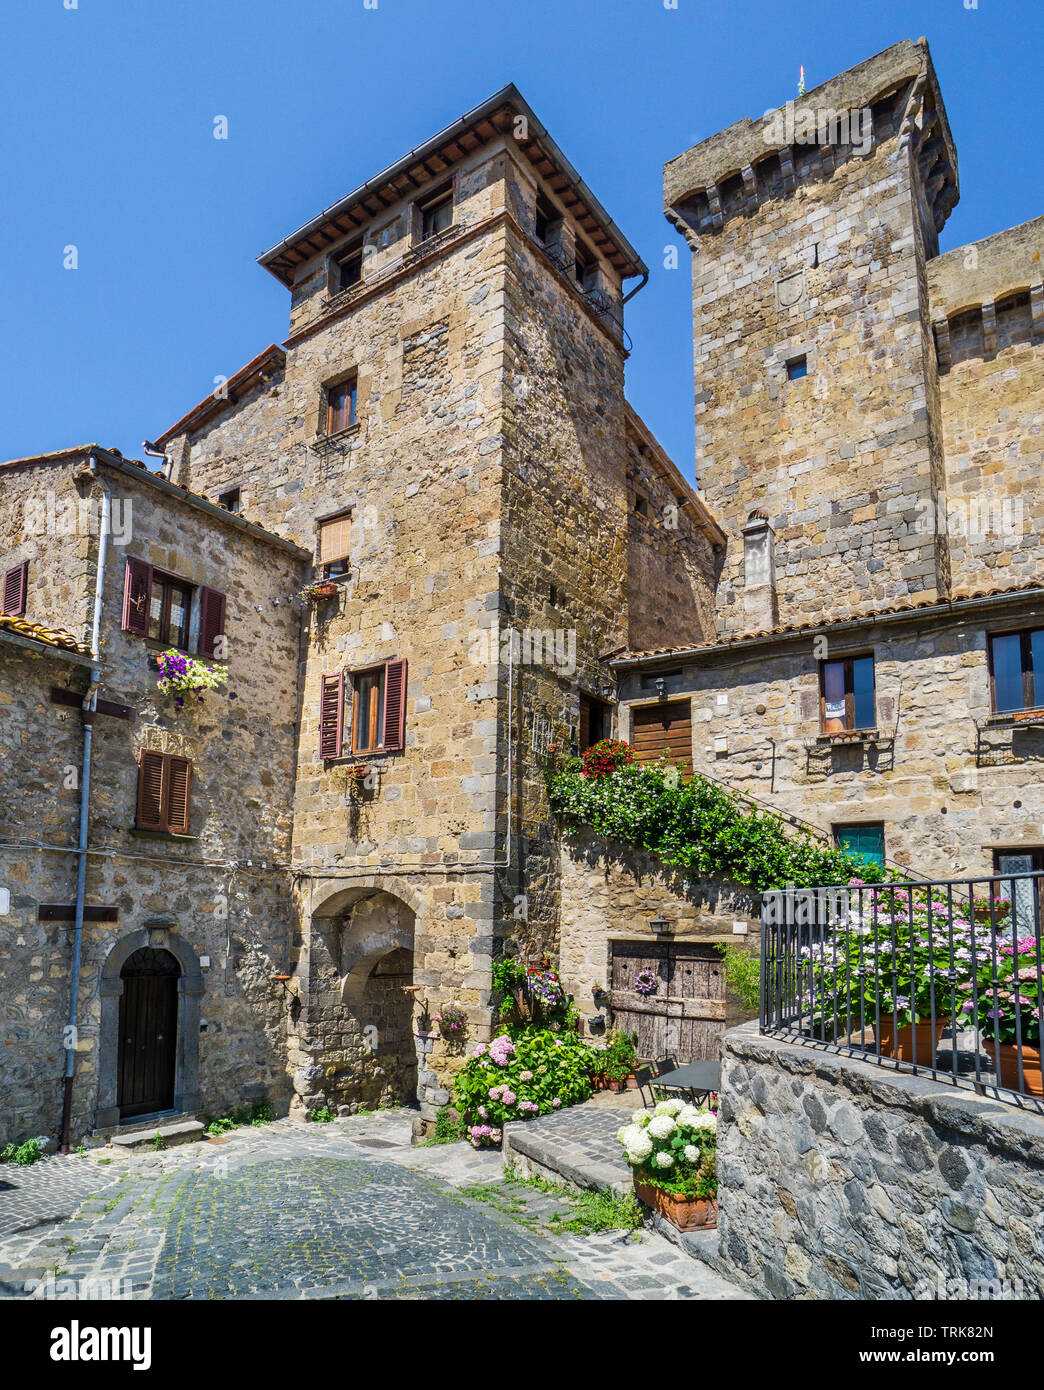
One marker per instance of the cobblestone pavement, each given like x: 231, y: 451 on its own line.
x: 342, y: 1210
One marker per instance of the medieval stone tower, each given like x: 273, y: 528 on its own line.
x: 818, y: 435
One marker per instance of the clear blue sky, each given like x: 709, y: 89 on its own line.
x: 108, y: 145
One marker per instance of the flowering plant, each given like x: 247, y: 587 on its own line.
x: 673, y: 1147
x: 604, y: 757
x: 452, y: 1020
x: 646, y: 982
x: 182, y: 677
x: 916, y: 953
x: 535, y: 1072
x: 314, y: 591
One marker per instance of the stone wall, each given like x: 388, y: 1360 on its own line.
x: 841, y: 1179
x: 818, y: 252
x: 611, y: 891
x: 987, y: 306
x: 949, y: 782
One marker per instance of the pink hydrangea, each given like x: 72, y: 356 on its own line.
x: 556, y: 1103
x: 508, y: 1097
x: 483, y: 1112
x: 500, y: 1049
x: 480, y: 1051
x: 494, y: 1092
x: 525, y: 1076
x: 528, y: 1106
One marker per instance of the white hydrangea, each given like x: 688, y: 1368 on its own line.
x: 706, y: 1121
x: 688, y: 1115
x: 669, y: 1107
x: 630, y: 1135
x: 663, y: 1160
x: 640, y: 1149
x: 641, y: 1117
x: 661, y: 1126
x: 692, y: 1153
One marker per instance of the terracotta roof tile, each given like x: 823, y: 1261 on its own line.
x: 49, y: 636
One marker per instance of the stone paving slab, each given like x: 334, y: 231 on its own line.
x: 578, y: 1146
x: 291, y: 1211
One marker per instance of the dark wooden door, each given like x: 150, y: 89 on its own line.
x: 148, y: 1033
x: 686, y: 1015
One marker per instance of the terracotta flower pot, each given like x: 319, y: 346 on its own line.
x: 899, y: 1042
x: 1007, y: 1063
x: 324, y: 591
x: 617, y: 1086
x: 684, y: 1213
x: 632, y: 1082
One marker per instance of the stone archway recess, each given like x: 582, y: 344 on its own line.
x: 161, y: 936
x: 355, y: 926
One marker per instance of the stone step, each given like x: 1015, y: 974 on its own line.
x: 179, y: 1132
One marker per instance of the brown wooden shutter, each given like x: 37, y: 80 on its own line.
x: 335, y: 539
x: 211, y: 620
x: 152, y: 777
x: 585, y: 723
x: 657, y: 729
x: 394, y: 705
x: 179, y: 789
x: 137, y: 594
x: 15, y: 589
x: 331, y: 716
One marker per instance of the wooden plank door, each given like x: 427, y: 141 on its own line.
x: 686, y: 1015
x: 633, y: 1013
x: 663, y: 728
x: 147, y: 1043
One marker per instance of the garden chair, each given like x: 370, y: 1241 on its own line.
x: 644, y: 1076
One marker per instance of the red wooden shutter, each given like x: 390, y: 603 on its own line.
x: 15, y: 586
x: 179, y: 787
x: 211, y: 620
x: 151, y: 788
x: 137, y: 594
x: 331, y: 716
x: 394, y: 705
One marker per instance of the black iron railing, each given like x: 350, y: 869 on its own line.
x: 941, y: 976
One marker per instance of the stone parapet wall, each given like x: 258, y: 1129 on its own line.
x: 842, y: 1179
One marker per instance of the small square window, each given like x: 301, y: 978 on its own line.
x: 797, y: 367
x: 865, y: 840
x: 548, y: 225
x: 230, y: 500
x: 641, y: 505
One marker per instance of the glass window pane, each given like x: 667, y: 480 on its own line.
x: 1037, y: 658
x: 178, y: 617
x: 834, y: 696
x: 863, y: 690
x: 156, y: 610
x: 1007, y: 672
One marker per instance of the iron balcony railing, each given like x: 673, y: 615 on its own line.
x: 940, y: 976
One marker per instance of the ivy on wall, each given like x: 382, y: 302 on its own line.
x: 696, y: 826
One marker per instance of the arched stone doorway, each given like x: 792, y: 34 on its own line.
x: 361, y: 1028
x: 158, y: 973
x: 146, y: 1062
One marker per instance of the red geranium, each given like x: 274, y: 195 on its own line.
x: 603, y: 758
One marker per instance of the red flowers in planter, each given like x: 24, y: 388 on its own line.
x: 604, y: 757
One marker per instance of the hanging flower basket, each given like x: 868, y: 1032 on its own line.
x: 315, y: 592
x: 452, y: 1021
x: 187, y: 679
x: 646, y: 982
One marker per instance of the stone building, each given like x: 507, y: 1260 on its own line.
x: 841, y: 622
x: 869, y: 431
x: 188, y: 914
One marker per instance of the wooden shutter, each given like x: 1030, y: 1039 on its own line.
x: 394, y: 706
x: 15, y: 587
x: 585, y: 723
x: 137, y: 595
x: 211, y: 620
x: 331, y: 716
x: 152, y: 779
x: 179, y: 789
x: 655, y: 729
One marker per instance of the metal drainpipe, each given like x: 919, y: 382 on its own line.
x: 90, y: 703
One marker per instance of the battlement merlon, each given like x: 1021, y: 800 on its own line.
x: 904, y: 69
x: 986, y: 271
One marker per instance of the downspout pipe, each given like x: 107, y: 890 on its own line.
x: 88, y: 711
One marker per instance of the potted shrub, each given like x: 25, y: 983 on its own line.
x: 1010, y: 1012
x: 672, y: 1151
x: 315, y: 591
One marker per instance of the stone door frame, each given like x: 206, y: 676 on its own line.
x: 190, y: 992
